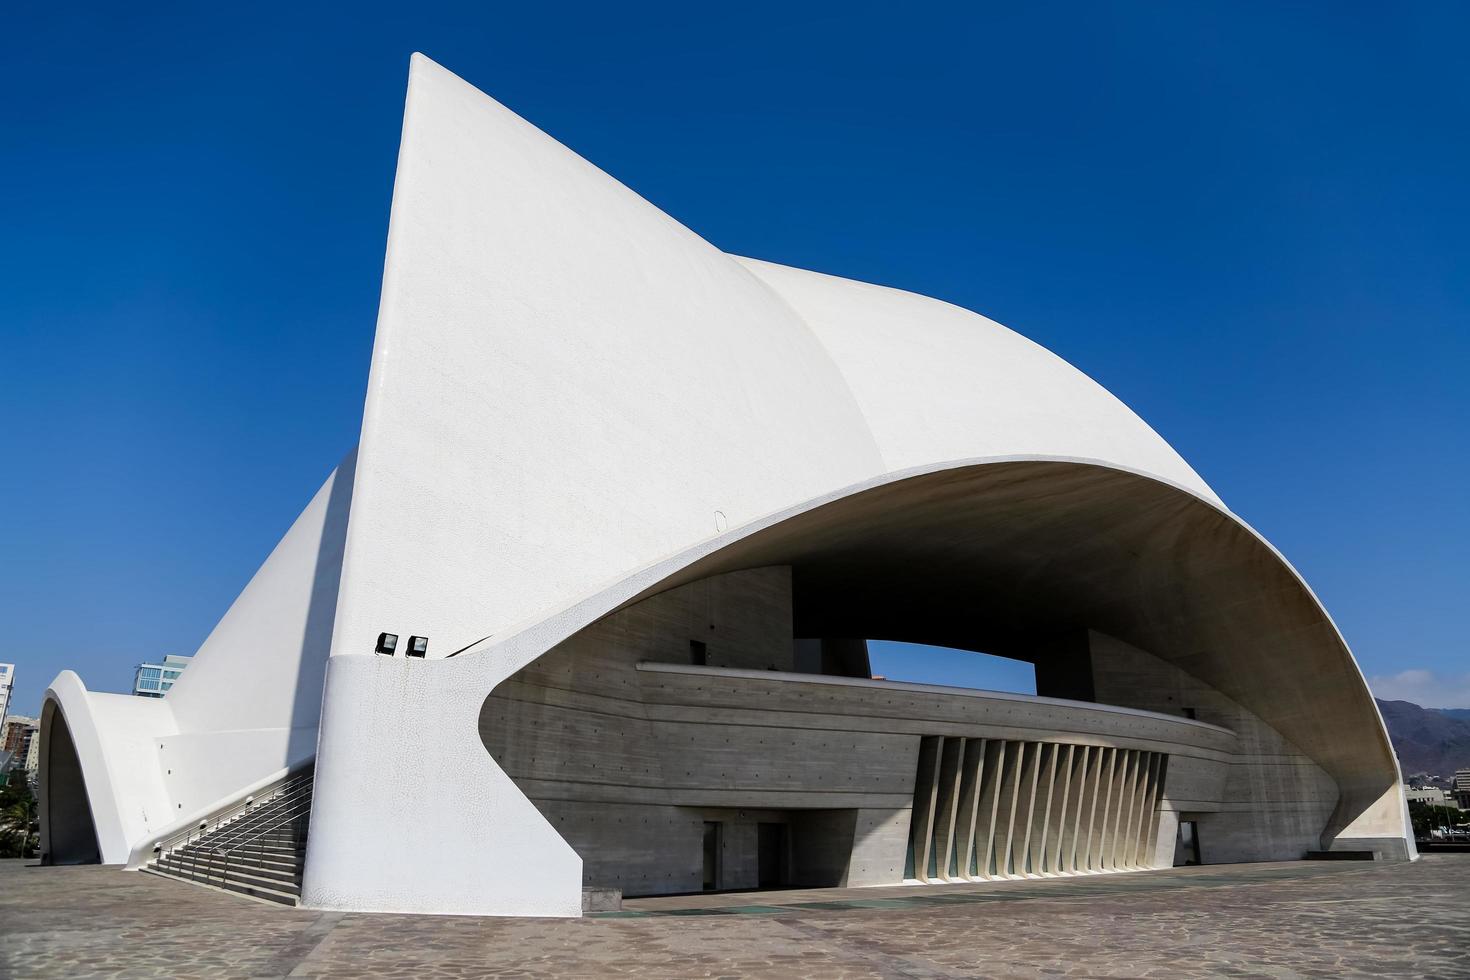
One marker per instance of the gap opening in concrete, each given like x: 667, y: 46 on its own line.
x: 71, y: 830
x: 921, y: 663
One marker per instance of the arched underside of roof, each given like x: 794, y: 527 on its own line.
x: 999, y: 556
x: 987, y: 554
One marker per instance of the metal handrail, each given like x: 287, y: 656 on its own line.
x: 216, y: 860
x: 300, y: 809
x: 248, y: 822
x: 228, y: 815
x: 250, y: 828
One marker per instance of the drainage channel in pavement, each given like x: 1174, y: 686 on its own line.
x: 1049, y: 890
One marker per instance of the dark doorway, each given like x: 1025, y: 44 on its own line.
x: 70, y: 833
x: 771, y: 855
x: 1186, y: 845
x: 711, y: 856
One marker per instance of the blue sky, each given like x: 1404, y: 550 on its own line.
x: 1247, y: 220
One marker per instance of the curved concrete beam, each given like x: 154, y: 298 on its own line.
x: 401, y: 736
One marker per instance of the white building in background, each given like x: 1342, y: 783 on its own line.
x: 154, y: 680
x: 33, y: 757
x: 586, y: 607
x: 1432, y: 795
x: 7, y: 684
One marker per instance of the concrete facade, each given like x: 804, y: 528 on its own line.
x: 629, y: 749
x: 588, y: 437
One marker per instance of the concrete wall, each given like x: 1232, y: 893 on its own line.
x: 1273, y: 802
x: 627, y: 749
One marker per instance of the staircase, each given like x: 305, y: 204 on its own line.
x: 258, y: 850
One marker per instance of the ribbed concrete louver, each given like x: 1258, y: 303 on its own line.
x: 994, y: 809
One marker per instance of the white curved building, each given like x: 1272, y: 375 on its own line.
x: 646, y: 501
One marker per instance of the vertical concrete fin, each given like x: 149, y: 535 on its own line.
x: 1046, y: 777
x: 947, y: 808
x: 973, y: 767
x: 926, y: 795
x: 991, y: 790
x: 1056, y: 837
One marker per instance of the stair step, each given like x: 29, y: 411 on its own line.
x: 286, y: 858
x: 239, y: 876
x: 260, y: 852
x: 273, y: 853
x: 290, y: 874
x: 290, y: 857
x: 278, y: 896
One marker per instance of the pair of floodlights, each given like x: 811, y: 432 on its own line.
x: 418, y: 646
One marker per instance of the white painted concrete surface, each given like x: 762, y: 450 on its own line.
x: 573, y: 399
x: 114, y: 739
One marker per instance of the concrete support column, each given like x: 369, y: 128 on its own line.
x: 947, y: 801
x: 1042, y: 801
x: 1007, y: 827
x: 992, y: 781
x: 926, y: 799
x: 1124, y: 808
x: 972, y: 773
x: 1102, y: 781
x: 1075, y: 845
x: 1062, y: 799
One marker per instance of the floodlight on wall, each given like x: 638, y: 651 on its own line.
x: 387, y: 643
x: 418, y: 646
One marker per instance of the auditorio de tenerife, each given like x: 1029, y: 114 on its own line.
x: 587, y: 606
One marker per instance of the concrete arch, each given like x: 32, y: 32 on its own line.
x: 1004, y: 556
x: 69, y: 834
x: 105, y: 755
x: 441, y: 699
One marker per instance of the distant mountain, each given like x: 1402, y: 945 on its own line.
x: 1432, y: 740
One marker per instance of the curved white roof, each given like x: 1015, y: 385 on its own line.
x: 568, y: 385
x: 936, y: 382
x: 573, y: 401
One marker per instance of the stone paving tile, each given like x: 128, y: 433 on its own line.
x: 1291, y: 920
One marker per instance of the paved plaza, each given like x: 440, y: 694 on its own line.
x: 1308, y: 919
